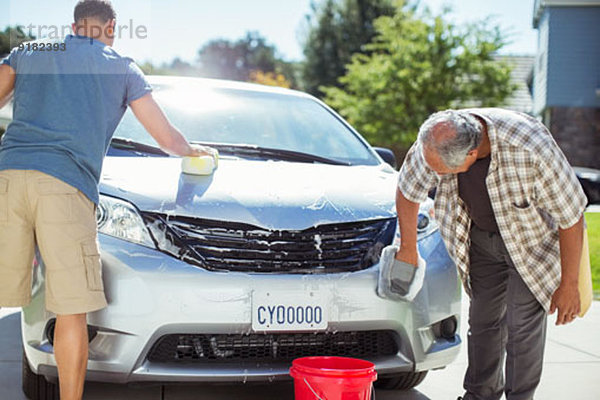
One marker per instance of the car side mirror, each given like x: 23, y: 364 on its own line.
x: 387, y: 155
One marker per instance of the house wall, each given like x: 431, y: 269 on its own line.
x: 573, y: 64
x: 577, y: 132
x: 567, y: 78
x: 540, y: 67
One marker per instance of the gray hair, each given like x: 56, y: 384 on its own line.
x: 453, y: 151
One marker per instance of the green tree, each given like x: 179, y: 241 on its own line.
x: 221, y: 64
x: 240, y: 59
x: 336, y: 30
x: 150, y: 69
x: 12, y: 37
x: 419, y: 64
x: 269, y: 79
x: 180, y: 67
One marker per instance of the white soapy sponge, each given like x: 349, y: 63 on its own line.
x: 204, y: 165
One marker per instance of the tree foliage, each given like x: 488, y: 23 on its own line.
x: 12, y: 37
x: 238, y: 60
x: 418, y: 64
x: 269, y: 79
x: 336, y: 30
x: 176, y: 67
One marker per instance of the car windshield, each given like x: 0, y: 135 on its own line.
x: 239, y: 117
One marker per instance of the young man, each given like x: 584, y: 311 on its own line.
x: 67, y: 103
x: 510, y: 210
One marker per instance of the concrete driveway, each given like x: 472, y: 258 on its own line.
x: 571, y: 371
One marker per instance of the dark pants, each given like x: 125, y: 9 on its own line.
x: 504, y: 318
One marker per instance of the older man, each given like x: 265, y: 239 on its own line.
x: 511, y: 214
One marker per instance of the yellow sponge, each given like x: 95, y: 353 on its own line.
x: 204, y: 165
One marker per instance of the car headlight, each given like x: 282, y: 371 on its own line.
x: 426, y: 223
x: 120, y: 219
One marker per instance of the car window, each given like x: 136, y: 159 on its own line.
x: 268, y: 120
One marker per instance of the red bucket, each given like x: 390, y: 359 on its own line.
x: 332, y: 378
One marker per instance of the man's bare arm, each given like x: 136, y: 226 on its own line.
x: 169, y: 138
x: 407, y: 220
x: 7, y: 83
x: 566, y: 298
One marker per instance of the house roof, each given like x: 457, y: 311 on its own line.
x: 540, y: 5
x: 522, y: 70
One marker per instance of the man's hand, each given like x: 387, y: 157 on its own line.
x: 408, y: 255
x: 566, y: 298
x: 198, y: 150
x: 566, y: 301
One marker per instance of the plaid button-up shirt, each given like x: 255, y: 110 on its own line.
x: 533, y: 191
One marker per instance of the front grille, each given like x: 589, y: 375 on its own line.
x: 274, y: 347
x: 219, y: 245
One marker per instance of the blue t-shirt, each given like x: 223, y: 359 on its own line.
x: 67, y: 105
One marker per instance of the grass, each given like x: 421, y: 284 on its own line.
x: 593, y: 223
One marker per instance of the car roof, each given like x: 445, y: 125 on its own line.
x: 207, y: 83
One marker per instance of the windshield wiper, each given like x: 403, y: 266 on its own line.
x: 276, y: 154
x: 128, y: 144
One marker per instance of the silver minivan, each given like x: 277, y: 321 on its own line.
x: 229, y: 277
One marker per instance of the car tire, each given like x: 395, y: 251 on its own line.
x: 36, y: 387
x: 403, y: 381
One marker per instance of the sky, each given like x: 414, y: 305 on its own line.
x: 160, y: 30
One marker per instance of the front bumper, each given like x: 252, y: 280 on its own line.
x: 151, y: 294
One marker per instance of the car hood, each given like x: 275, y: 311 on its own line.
x: 268, y: 194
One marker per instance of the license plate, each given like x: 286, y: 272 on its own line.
x: 289, y: 311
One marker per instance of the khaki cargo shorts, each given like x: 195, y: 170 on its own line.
x: 36, y: 208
